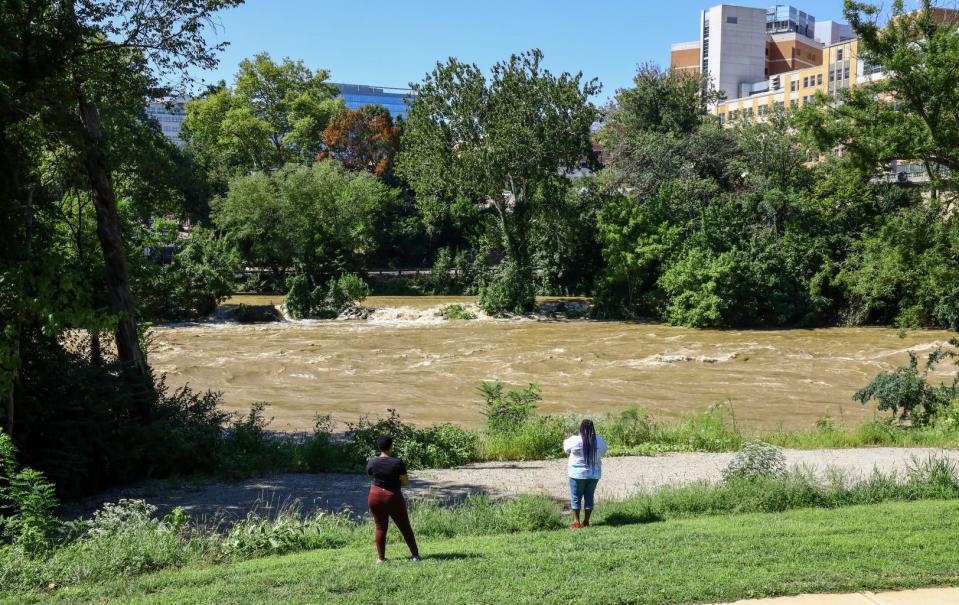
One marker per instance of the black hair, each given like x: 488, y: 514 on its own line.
x: 384, y: 443
x: 587, y: 432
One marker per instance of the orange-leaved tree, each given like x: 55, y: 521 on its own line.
x: 363, y: 139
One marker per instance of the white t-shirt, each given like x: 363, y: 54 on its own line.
x: 578, y: 469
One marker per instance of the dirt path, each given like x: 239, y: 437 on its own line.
x: 622, y: 477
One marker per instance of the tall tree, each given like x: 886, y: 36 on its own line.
x: 61, y: 62
x: 275, y: 113
x: 506, y: 143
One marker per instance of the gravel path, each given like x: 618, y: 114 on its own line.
x: 622, y: 477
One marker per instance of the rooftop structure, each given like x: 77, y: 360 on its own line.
x: 782, y: 18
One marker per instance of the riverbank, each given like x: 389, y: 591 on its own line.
x: 623, y: 477
x: 696, y: 560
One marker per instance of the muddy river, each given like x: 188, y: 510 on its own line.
x: 407, y: 358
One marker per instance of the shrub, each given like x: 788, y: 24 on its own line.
x: 438, y: 446
x: 756, y: 460
x: 28, y: 504
x: 510, y: 289
x: 456, y: 312
x: 509, y: 410
x: 248, y: 449
x: 346, y: 289
x: 906, y: 391
x: 305, y: 300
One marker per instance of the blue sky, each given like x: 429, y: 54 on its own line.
x: 394, y: 43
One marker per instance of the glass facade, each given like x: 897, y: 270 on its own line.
x: 396, y: 100
x: 782, y: 18
x: 169, y: 113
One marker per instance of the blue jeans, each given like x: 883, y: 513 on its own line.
x: 582, y: 489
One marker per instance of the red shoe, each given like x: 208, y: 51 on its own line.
x: 576, y: 525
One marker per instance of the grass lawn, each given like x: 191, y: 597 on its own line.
x: 893, y: 545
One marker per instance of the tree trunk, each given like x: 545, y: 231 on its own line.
x: 108, y: 232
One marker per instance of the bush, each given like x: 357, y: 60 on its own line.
x: 28, y: 504
x: 439, y: 446
x: 906, y: 391
x: 507, y: 411
x: 324, y: 303
x: 756, y: 460
x: 507, y: 290
x: 456, y: 312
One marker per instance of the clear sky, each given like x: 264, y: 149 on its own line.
x: 394, y: 43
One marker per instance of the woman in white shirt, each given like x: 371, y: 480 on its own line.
x: 585, y: 468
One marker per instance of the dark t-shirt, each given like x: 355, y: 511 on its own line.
x: 386, y: 471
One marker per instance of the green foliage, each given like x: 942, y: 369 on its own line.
x: 508, y: 289
x: 507, y: 410
x: 456, y: 312
x: 126, y: 539
x: 505, y: 146
x: 443, y: 445
x: 907, y: 392
x: 448, y: 273
x: 538, y: 438
x: 905, y: 271
x: 203, y: 274
x: 756, y: 460
x: 28, y: 504
x: 341, y: 292
x: 322, y: 220
x: 256, y: 536
x: 274, y: 114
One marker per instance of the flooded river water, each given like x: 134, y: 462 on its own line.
x: 406, y: 358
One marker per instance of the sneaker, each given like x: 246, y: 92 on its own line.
x: 383, y: 560
x: 576, y: 525
x: 415, y: 558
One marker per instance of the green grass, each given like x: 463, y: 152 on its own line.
x: 685, y: 561
x: 128, y: 540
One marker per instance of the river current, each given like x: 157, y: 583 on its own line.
x: 405, y: 357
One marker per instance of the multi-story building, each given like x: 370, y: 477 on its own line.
x: 740, y: 45
x: 169, y: 113
x: 396, y: 100
x: 840, y: 69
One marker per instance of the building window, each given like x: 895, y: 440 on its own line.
x: 805, y: 82
x: 819, y: 80
x: 733, y: 20
x: 839, y: 55
x: 792, y: 86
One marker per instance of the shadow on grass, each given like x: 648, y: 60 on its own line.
x: 448, y: 556
x: 631, y: 518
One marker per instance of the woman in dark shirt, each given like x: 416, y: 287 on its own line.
x: 388, y: 475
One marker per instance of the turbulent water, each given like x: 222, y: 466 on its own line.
x: 407, y: 358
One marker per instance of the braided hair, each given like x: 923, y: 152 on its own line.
x: 587, y: 432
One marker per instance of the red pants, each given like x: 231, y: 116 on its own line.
x: 385, y: 503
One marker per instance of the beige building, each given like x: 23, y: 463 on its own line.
x: 840, y: 69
